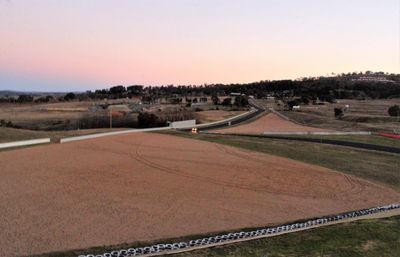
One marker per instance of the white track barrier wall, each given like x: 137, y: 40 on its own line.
x: 71, y: 139
x: 183, y: 124
x: 25, y: 143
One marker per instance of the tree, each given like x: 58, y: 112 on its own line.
x: 305, y: 100
x: 241, y: 101
x: 338, y: 113
x: 394, y: 111
x: 135, y: 89
x: 69, y: 97
x: 148, y: 120
x: 25, y: 99
x: 227, y: 101
x: 292, y: 103
x: 117, y: 91
x: 215, y: 100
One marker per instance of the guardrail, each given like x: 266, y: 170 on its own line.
x: 161, y: 249
x: 24, y: 143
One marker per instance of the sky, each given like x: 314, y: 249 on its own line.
x: 74, y: 45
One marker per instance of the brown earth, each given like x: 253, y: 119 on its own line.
x: 269, y: 123
x: 141, y: 187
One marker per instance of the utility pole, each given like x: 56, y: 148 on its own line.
x: 110, y: 117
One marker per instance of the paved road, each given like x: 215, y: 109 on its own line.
x: 259, y: 110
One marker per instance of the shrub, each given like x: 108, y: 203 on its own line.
x: 69, y: 96
x: 227, y: 102
x: 338, y: 113
x: 394, y: 111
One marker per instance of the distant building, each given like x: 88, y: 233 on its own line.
x: 374, y: 79
x: 236, y: 94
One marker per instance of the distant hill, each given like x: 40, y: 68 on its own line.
x: 11, y: 93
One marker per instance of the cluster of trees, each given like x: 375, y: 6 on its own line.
x: 116, y: 92
x: 4, y: 123
x: 239, y: 101
x: 161, y: 118
x: 344, y: 86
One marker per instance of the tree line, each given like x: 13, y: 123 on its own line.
x: 375, y: 85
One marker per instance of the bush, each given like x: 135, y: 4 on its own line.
x: 241, y: 101
x: 394, y: 111
x: 4, y: 123
x: 338, y: 113
x: 215, y: 100
x: 148, y: 120
x: 25, y: 99
x: 227, y: 102
x: 69, y: 96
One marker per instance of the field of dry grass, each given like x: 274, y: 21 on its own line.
x: 369, y: 115
x: 150, y: 186
x: 215, y: 115
x: 59, y: 116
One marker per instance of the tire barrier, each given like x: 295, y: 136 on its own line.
x: 170, y: 248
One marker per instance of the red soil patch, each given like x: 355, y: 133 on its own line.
x: 147, y: 186
x: 269, y: 123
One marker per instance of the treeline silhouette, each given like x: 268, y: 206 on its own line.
x: 375, y: 85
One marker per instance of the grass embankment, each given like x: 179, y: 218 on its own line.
x: 367, y: 139
x: 374, y: 166
x: 367, y: 238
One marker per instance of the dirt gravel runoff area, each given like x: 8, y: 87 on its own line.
x: 140, y: 187
x: 270, y: 123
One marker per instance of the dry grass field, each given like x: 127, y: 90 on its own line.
x: 269, y: 123
x: 142, y: 187
x: 59, y: 116
x: 370, y: 115
x: 215, y: 115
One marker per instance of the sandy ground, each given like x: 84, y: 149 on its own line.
x: 140, y: 187
x: 269, y: 123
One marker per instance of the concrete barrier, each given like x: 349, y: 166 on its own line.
x: 71, y: 139
x: 24, y: 143
x: 183, y: 124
